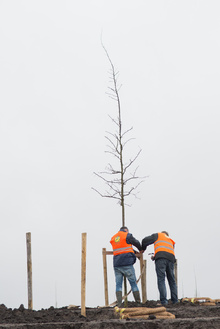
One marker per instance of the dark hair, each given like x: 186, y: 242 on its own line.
x: 123, y: 228
x: 165, y: 232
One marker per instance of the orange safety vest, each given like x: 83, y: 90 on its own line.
x: 164, y: 243
x: 119, y: 244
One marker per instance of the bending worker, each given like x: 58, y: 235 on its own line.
x: 164, y: 257
x: 123, y: 260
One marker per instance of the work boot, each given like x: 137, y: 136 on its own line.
x: 137, y: 298
x: 119, y: 298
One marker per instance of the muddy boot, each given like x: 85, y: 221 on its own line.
x: 119, y: 298
x: 137, y: 298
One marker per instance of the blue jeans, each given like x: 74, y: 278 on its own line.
x: 165, y: 267
x: 129, y: 273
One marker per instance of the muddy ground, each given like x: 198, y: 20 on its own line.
x: 188, y: 315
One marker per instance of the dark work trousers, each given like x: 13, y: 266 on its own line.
x: 165, y: 268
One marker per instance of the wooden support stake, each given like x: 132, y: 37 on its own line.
x: 145, y: 281
x: 83, y: 276
x: 143, y: 278
x: 105, y: 275
x: 29, y: 270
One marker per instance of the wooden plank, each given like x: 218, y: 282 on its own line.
x: 105, y: 275
x: 83, y: 276
x: 107, y: 252
x: 29, y: 271
x: 111, y: 252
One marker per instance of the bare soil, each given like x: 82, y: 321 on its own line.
x: 188, y: 315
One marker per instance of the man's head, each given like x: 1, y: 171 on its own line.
x: 124, y: 228
x: 165, y: 232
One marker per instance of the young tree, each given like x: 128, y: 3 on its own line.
x: 121, y: 178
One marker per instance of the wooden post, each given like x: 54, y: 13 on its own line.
x: 29, y: 271
x: 83, y: 276
x: 105, y: 275
x: 143, y: 278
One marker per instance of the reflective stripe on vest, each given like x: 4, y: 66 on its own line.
x: 119, y: 244
x: 164, y: 243
x: 121, y: 250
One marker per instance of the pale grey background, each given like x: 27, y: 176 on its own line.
x: 54, y: 114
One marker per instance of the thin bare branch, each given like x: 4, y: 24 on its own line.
x: 113, y: 170
x: 132, y: 161
x: 106, y: 195
x: 126, y: 142
x: 112, y: 146
x: 127, y: 131
x: 115, y: 155
x: 112, y: 97
x: 116, y: 122
x: 114, y: 135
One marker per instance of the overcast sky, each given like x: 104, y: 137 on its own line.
x: 54, y: 110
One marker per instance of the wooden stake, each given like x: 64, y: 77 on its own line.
x: 105, y: 275
x: 83, y: 276
x: 29, y: 270
x: 143, y: 278
x: 145, y: 281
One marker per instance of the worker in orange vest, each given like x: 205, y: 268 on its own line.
x: 164, y: 257
x: 123, y: 260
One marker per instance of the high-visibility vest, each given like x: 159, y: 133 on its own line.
x: 164, y: 243
x: 119, y: 244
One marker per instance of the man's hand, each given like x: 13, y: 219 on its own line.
x: 138, y: 254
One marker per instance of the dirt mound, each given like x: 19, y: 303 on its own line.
x: 187, y: 315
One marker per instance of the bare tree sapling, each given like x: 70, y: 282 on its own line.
x: 121, y: 178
